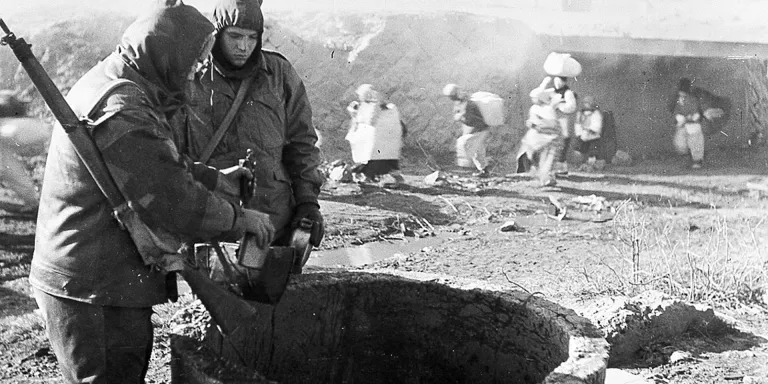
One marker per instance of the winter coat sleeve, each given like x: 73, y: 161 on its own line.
x: 301, y: 156
x: 209, y: 176
x: 156, y: 181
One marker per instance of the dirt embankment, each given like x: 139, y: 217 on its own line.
x: 410, y: 57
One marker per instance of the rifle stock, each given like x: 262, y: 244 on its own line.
x: 226, y: 309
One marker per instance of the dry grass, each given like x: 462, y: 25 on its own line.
x: 711, y: 256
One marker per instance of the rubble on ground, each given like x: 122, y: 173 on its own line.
x: 632, y: 323
x: 621, y: 159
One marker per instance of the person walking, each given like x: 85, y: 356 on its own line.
x: 689, y: 136
x: 539, y: 144
x: 588, y: 130
x: 471, y: 145
x: 566, y: 107
x: 93, y: 288
x: 375, y: 135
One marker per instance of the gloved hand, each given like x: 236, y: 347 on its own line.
x: 258, y: 223
x: 228, y: 182
x: 312, y: 212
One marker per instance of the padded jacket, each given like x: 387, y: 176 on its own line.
x: 81, y: 252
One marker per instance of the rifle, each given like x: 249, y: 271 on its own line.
x: 228, y: 311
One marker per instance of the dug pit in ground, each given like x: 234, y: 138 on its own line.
x: 334, y: 327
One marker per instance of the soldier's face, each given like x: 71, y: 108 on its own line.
x: 237, y: 44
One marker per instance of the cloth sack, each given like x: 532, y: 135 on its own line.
x: 562, y: 65
x: 491, y: 107
x: 381, y: 140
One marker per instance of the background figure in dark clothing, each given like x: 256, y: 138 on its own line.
x: 588, y: 129
x: 471, y: 145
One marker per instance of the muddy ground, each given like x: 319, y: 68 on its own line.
x: 453, y: 228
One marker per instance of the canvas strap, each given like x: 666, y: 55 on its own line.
x: 227, y: 122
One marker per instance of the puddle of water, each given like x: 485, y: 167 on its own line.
x: 370, y: 253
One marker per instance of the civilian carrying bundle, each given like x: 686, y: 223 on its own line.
x: 491, y: 107
x: 561, y: 65
x: 382, y: 139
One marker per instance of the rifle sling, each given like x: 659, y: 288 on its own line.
x: 92, y: 159
x: 227, y: 122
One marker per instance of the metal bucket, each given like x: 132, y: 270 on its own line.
x: 264, y: 284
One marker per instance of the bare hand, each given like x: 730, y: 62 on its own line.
x: 258, y: 224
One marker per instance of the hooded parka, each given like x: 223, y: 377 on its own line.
x: 81, y: 253
x: 275, y: 119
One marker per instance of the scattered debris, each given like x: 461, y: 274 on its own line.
x: 621, y: 158
x: 559, y: 210
x: 591, y: 202
x: 618, y: 376
x: 41, y: 352
x: 592, y: 165
x: 632, y: 324
x: 511, y: 226
x: 680, y: 356
x: 339, y: 171
x: 435, y: 178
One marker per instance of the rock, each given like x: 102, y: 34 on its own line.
x: 434, y: 178
x: 680, y: 356
x: 340, y: 173
x: 510, y: 226
x: 621, y: 158
x: 599, y: 165
x: 617, y: 376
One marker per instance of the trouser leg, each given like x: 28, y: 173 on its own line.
x: 546, y: 159
x: 97, y: 344
x: 562, y: 153
x: 695, y: 141
x: 463, y: 156
x: 680, y: 141
x: 479, y: 144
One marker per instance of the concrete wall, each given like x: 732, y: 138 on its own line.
x: 638, y: 89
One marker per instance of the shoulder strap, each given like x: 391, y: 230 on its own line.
x: 102, y: 94
x: 224, y: 126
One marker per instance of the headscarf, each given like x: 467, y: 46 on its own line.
x: 454, y: 92
x: 243, y: 14
x: 589, y: 103
x: 371, y: 104
x: 366, y: 93
x: 163, y: 45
